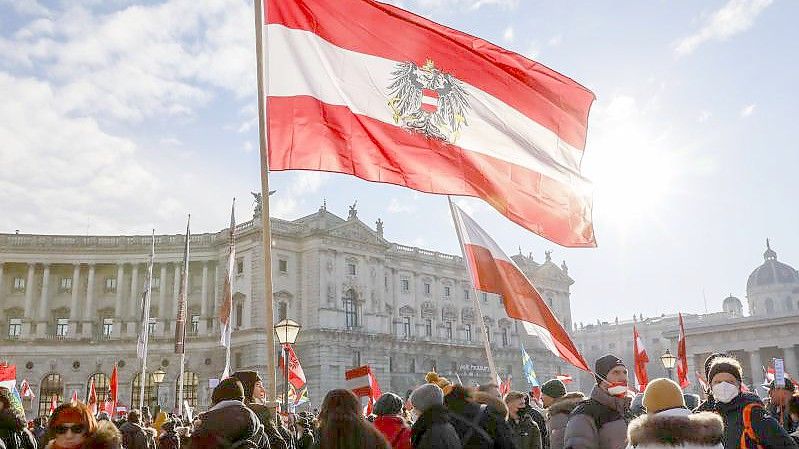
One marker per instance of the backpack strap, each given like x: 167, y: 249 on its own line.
x: 474, y: 426
x: 748, y: 431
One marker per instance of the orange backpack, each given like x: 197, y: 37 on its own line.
x: 748, y: 431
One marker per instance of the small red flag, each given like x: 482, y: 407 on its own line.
x: 682, y: 358
x: 641, y: 359
x: 363, y: 383
x: 114, y: 387
x: 296, y: 374
x: 92, y: 400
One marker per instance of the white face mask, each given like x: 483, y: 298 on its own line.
x: 617, y: 390
x: 725, y: 392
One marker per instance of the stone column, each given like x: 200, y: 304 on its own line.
x: 789, y: 356
x: 44, y: 302
x: 73, y: 305
x: 118, y: 299
x: 214, y: 320
x: 135, y: 301
x: 203, y: 325
x: 175, y: 291
x: 29, y: 291
x: 756, y: 367
x: 1, y: 280
x: 161, y: 300
x: 88, y: 311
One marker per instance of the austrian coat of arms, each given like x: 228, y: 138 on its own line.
x: 428, y: 101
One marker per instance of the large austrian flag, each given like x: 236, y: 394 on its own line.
x: 493, y: 271
x: 371, y: 90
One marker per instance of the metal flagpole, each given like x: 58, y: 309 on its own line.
x: 182, y: 303
x: 263, y: 140
x: 145, y: 330
x: 475, y: 300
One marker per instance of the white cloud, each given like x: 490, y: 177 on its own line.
x: 287, y: 203
x: 704, y: 116
x: 748, y: 110
x: 470, y: 5
x: 395, y: 207
x: 27, y: 7
x: 735, y: 17
x: 507, y: 35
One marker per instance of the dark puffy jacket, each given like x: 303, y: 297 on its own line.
x: 267, y: 420
x: 558, y: 416
x: 599, y: 422
x: 134, y: 436
x: 525, y: 432
x: 433, y: 430
x: 488, y: 413
x: 228, y: 424
x: 169, y: 440
x: 770, y: 433
x: 13, y: 433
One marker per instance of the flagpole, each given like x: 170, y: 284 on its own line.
x: 475, y: 300
x: 145, y: 325
x: 183, y: 299
x: 266, y: 233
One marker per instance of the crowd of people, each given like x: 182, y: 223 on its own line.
x: 442, y: 415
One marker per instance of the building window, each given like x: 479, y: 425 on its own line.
x: 428, y: 327
x: 150, y: 396
x: 448, y: 329
x: 405, y: 285
x: 427, y: 288
x: 14, y: 327
x: 283, y: 266
x: 466, y: 294
x: 390, y: 364
x: 51, y: 387
x: 282, y: 311
x: 19, y: 284
x: 239, y: 266
x: 350, y: 310
x: 110, y: 285
x: 468, y: 332
x: 195, y: 324
x: 65, y: 285
x: 239, y: 315
x: 447, y: 292
x: 101, y: 387
x: 484, y: 296
x: 151, y: 327
x: 156, y: 283
x: 406, y: 327
x: 505, y: 336
x: 108, y: 327
x: 351, y: 269
x: 62, y: 327
x: 190, y: 382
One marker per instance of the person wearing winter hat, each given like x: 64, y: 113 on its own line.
x: 466, y: 409
x: 709, y: 404
x: 255, y: 399
x: 600, y: 422
x: 433, y: 378
x: 559, y: 404
x: 228, y: 422
x: 747, y: 424
x: 432, y: 429
x: 669, y: 423
x: 388, y: 409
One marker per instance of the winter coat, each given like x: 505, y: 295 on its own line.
x: 225, y: 424
x: 395, y: 430
x: 433, y: 430
x: 169, y: 440
x: 276, y: 440
x: 525, y: 433
x: 134, y: 436
x: 769, y: 432
x: 710, y: 405
x: 539, y: 419
x: 558, y: 415
x: 105, y: 437
x: 305, y: 440
x: 599, y: 422
x: 489, y: 413
x: 13, y: 431
x: 676, y: 427
x: 151, y: 434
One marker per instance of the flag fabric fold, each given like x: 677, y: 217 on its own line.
x: 180, y: 320
x: 492, y: 271
x: 225, y: 309
x: 8, y: 376
x: 409, y: 102
x: 113, y: 386
x: 641, y: 359
x: 26, y: 390
x: 363, y: 383
x: 682, y: 358
x: 296, y: 373
x: 91, y: 401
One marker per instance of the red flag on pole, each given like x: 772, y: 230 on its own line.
x: 296, y: 374
x: 53, y: 403
x: 409, y: 102
x: 92, y: 400
x: 682, y: 358
x: 74, y: 399
x: 641, y: 359
x: 364, y: 384
x: 504, y: 387
x: 113, y: 387
x: 493, y: 271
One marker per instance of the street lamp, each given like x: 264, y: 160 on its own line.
x: 286, y: 331
x: 669, y: 361
x: 158, y: 378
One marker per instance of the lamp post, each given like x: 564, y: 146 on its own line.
x: 286, y: 331
x: 669, y: 361
x: 158, y: 378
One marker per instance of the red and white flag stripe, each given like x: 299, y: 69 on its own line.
x: 641, y: 359
x: 493, y: 271
x: 329, y: 109
x: 363, y: 383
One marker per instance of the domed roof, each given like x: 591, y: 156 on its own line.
x: 772, y: 272
x: 731, y: 301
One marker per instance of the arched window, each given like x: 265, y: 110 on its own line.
x: 101, y: 387
x: 150, y: 394
x: 52, y: 387
x: 190, y: 382
x: 769, y: 306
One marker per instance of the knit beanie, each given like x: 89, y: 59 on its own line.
x: 228, y: 389
x: 388, y: 404
x: 554, y: 388
x: 663, y: 394
x: 603, y: 366
x: 248, y: 380
x: 724, y: 365
x: 427, y: 396
x: 709, y: 361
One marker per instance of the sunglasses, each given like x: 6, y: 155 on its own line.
x: 76, y: 429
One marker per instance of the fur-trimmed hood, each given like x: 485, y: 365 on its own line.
x: 676, y: 427
x: 492, y: 402
x: 566, y: 403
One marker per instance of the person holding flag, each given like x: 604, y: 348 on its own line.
x: 559, y: 405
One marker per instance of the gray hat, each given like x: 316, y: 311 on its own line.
x: 388, y: 404
x: 427, y: 396
x: 554, y: 388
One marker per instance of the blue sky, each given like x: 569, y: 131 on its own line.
x: 120, y: 116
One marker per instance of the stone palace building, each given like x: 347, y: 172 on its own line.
x: 769, y: 330
x: 70, y: 308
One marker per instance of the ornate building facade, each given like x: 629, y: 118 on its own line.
x: 70, y: 309
x: 769, y: 331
